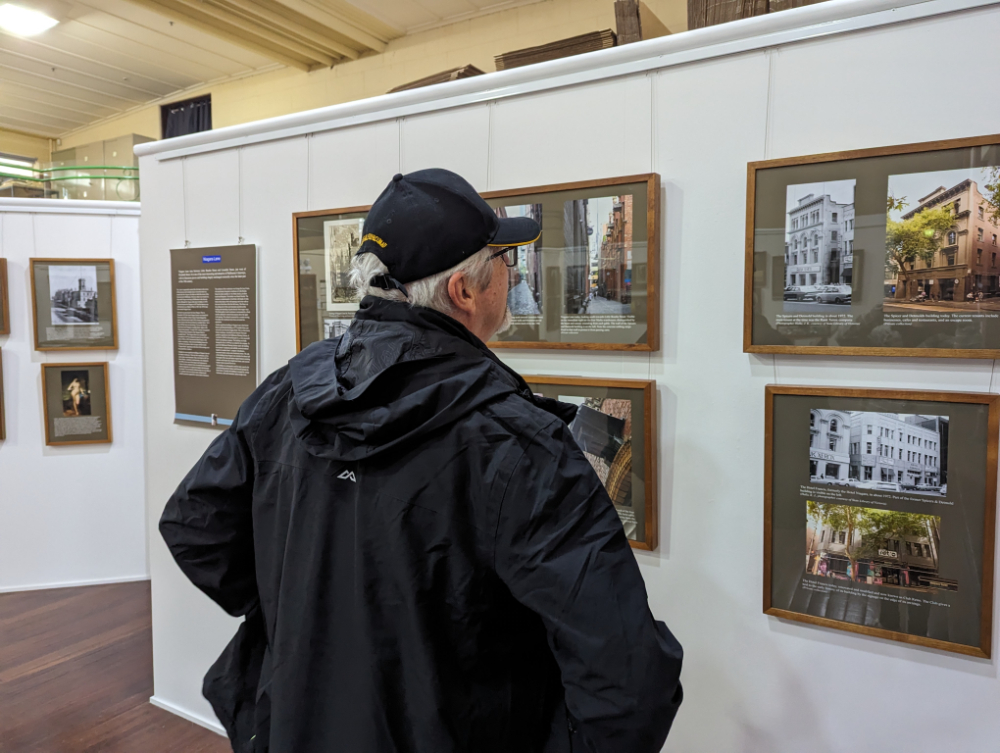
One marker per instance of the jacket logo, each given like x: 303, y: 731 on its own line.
x: 348, y: 475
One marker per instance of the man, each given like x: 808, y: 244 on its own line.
x: 427, y: 561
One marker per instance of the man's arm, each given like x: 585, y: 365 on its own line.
x: 208, y: 522
x: 561, y: 550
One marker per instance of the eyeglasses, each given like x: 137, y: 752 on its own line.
x: 509, y: 256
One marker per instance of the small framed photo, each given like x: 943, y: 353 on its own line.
x: 883, y: 252
x: 77, y: 403
x: 4, y: 300
x: 614, y: 427
x: 73, y: 304
x: 3, y: 414
x: 879, y: 513
x: 590, y: 282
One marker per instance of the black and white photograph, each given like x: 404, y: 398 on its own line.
x: 335, y: 327
x: 893, y: 452
x: 525, y: 285
x: 875, y: 547
x: 342, y: 239
x: 819, y: 247
x: 73, y: 294
x: 941, y: 236
x: 598, y: 255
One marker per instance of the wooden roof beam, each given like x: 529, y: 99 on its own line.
x: 290, y: 26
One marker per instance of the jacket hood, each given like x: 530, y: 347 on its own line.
x: 397, y: 374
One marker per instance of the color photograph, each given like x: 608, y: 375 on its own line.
x: 941, y: 252
x: 875, y: 547
x: 525, y: 285
x: 76, y: 394
x: 598, y: 255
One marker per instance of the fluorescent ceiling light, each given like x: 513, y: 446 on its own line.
x: 24, y: 21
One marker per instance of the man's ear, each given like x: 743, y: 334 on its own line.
x: 461, y: 294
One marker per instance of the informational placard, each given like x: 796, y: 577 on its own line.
x: 879, y: 509
x: 214, y: 296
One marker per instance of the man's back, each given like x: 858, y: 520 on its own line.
x: 437, y: 566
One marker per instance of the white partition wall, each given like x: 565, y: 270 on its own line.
x: 694, y: 108
x: 71, y: 515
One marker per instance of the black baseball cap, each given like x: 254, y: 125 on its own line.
x: 430, y: 220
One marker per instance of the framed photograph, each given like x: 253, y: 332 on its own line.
x: 884, y: 252
x: 73, y: 303
x: 879, y: 512
x: 589, y: 282
x: 77, y: 401
x: 4, y: 300
x: 3, y: 415
x: 614, y: 427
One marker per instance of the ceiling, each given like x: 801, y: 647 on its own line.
x: 106, y: 57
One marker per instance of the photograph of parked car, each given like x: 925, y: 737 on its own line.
x: 891, y: 452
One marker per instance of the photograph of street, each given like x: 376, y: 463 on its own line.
x: 342, y: 239
x: 941, y: 251
x: 894, y: 452
x: 598, y: 255
x: 819, y: 247
x: 525, y: 285
x: 73, y: 294
x: 336, y: 327
x: 875, y: 547
x: 75, y: 393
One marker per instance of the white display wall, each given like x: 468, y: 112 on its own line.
x: 71, y: 515
x: 812, y: 80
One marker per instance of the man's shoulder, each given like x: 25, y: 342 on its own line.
x: 523, y: 419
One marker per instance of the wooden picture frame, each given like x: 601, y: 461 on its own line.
x: 957, y: 548
x: 647, y: 529
x: 641, y: 299
x: 3, y: 413
x: 4, y: 300
x: 100, y: 319
x: 99, y: 424
x: 859, y: 295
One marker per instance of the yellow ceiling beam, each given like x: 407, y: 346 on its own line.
x: 209, y: 25
x: 289, y: 26
x: 339, y: 22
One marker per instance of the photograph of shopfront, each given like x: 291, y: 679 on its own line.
x: 944, y: 246
x: 886, y: 451
x: 876, y: 547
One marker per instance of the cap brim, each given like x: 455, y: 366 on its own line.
x: 516, y: 231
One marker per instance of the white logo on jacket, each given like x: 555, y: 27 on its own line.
x: 348, y: 475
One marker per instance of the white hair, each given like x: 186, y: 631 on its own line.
x: 432, y: 291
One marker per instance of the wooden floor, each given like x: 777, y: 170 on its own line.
x: 76, y: 674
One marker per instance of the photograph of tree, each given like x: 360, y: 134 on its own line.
x: 895, y: 452
x: 941, y: 236
x: 876, y: 547
x: 819, y: 246
x: 525, y: 285
x: 342, y: 239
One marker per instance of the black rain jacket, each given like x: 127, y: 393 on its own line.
x: 426, y: 560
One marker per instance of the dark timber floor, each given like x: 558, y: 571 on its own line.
x: 76, y: 674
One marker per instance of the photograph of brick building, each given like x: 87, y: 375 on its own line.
x: 963, y: 264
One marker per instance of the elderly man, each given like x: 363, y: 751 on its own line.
x: 427, y: 561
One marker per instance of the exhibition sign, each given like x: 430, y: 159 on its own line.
x: 879, y: 512
x: 214, y: 296
x: 73, y: 304
x: 77, y: 403
x: 880, y: 252
x: 589, y: 282
x: 622, y: 454
x: 4, y: 300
